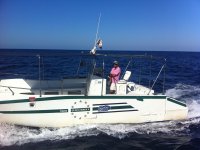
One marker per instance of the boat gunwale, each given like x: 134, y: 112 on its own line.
x: 140, y: 98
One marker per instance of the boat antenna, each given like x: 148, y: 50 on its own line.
x: 93, y: 51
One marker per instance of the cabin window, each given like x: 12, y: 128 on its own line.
x: 28, y: 93
x: 51, y: 93
x: 74, y: 92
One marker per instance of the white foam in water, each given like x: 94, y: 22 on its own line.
x: 11, y: 134
x: 189, y: 93
x: 14, y: 135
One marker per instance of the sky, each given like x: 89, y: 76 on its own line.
x: 164, y: 25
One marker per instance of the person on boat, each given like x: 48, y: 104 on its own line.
x: 114, y: 77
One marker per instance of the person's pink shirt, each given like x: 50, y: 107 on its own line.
x: 115, y: 72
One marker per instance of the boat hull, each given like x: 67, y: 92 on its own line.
x: 61, y: 111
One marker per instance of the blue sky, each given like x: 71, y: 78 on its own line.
x: 125, y: 24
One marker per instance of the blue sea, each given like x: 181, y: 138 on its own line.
x: 182, y: 81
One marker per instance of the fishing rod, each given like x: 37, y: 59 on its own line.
x: 97, y: 29
x: 126, y: 67
x: 93, y: 51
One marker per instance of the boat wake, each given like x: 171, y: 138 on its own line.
x: 18, y: 135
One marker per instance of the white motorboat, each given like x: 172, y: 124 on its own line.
x: 72, y: 101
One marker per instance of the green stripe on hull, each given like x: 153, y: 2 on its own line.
x: 35, y: 111
x: 109, y: 104
x: 115, y: 107
x: 176, y: 102
x: 114, y: 111
x: 82, y: 97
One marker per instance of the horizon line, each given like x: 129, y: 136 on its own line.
x: 98, y: 50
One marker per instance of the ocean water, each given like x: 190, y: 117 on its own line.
x: 182, y: 82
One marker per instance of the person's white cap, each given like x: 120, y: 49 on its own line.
x: 115, y: 62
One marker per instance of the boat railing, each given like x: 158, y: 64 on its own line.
x: 100, y: 66
x: 136, y: 65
